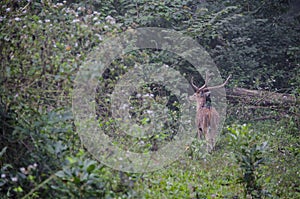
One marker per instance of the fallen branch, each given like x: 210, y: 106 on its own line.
x: 258, y: 97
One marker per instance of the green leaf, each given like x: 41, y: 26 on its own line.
x: 3, y: 151
x: 60, y: 174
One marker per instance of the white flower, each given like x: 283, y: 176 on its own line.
x: 110, y: 19
x: 23, y: 170
x: 17, y: 19
x: 40, y: 21
x: 148, y: 95
x: 124, y: 106
x: 8, y: 9
x: 99, y: 36
x: 150, y: 112
x: 95, y: 18
x: 34, y: 166
x: 47, y: 20
x: 3, y: 175
x: 75, y: 20
x: 14, y: 179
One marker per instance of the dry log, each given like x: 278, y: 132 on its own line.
x: 259, y: 97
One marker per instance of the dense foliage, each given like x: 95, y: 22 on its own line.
x: 43, y: 44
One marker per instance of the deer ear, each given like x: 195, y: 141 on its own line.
x: 207, y: 93
x: 204, y: 93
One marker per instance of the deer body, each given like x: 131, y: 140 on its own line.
x: 207, y: 118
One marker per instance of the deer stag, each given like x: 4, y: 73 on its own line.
x: 207, y: 117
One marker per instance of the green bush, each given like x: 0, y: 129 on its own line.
x: 43, y: 43
x: 249, y: 154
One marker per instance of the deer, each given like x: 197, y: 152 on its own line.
x: 207, y: 118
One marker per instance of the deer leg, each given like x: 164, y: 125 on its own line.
x: 209, y: 140
x: 199, y: 133
x: 213, y: 133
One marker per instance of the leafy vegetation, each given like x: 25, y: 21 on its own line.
x: 43, y: 44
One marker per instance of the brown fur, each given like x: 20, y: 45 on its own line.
x: 207, y: 118
x: 207, y: 121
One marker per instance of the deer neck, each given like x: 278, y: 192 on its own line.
x: 201, y: 102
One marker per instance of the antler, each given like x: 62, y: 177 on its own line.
x: 207, y: 78
x: 194, y: 86
x: 219, y: 86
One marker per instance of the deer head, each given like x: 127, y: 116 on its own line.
x: 201, y: 93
